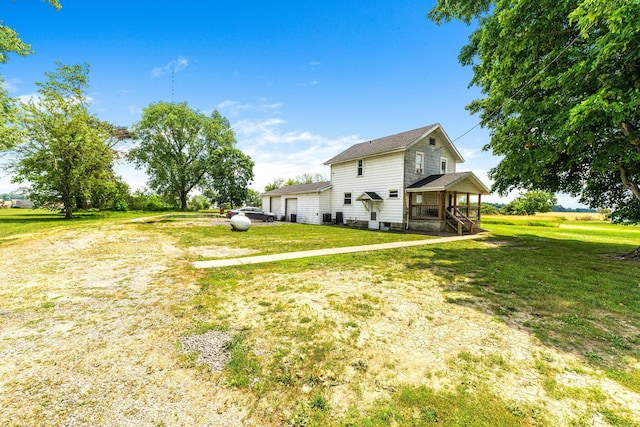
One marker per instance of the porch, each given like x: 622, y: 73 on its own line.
x: 446, y: 203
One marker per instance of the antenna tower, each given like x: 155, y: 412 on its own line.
x: 173, y: 72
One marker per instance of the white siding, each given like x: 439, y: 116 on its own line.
x: 432, y: 158
x: 325, y: 203
x: 381, y: 174
x: 308, y: 207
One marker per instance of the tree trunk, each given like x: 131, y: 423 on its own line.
x: 68, y: 206
x: 183, y: 202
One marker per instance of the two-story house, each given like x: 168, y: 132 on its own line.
x: 402, y: 181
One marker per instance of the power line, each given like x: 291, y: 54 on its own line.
x: 522, y: 87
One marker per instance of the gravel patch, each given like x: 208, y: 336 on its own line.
x: 211, y: 348
x: 88, y: 333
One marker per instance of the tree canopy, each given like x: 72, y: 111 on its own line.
x: 561, y: 81
x: 305, y: 178
x: 227, y: 183
x: 531, y: 202
x: 65, y: 156
x: 179, y: 146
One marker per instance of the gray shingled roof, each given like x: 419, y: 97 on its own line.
x: 444, y: 181
x: 398, y: 141
x: 300, y: 188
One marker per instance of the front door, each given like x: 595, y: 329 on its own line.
x: 374, y: 222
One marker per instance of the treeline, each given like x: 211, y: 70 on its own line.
x: 529, y: 203
x: 12, y: 196
x: 554, y: 208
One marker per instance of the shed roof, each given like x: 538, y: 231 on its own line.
x: 314, y: 187
x: 398, y: 142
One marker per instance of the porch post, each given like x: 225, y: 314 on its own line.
x: 479, y: 205
x: 468, y: 206
x: 441, y: 204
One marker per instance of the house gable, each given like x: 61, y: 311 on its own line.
x: 434, y: 148
x: 397, y: 143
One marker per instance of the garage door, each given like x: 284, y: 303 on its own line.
x: 274, y: 206
x: 291, y: 209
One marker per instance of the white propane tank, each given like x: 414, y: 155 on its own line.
x: 240, y: 222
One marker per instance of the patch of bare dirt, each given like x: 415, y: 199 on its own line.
x: 415, y: 336
x: 220, y: 251
x: 88, y: 336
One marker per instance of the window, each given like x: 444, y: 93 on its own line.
x: 419, y: 162
x: 360, y: 167
x: 347, y: 198
x: 374, y: 216
x: 393, y: 194
x: 419, y: 199
x: 443, y: 165
x: 432, y: 142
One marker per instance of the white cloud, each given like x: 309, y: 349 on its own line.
x: 313, y: 64
x: 469, y: 153
x: 10, y: 85
x: 234, y: 108
x: 280, y: 154
x: 175, y: 66
x: 29, y: 97
x: 311, y: 83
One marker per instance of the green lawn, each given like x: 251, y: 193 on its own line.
x: 562, y: 282
x: 14, y: 222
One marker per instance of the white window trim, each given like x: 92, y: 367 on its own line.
x: 397, y: 194
x: 360, y: 167
x: 420, y: 169
x: 446, y: 164
x: 344, y: 199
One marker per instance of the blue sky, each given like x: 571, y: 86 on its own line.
x: 299, y: 81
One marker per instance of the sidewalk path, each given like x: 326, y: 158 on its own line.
x: 227, y: 262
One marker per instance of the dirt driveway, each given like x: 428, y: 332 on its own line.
x: 88, y: 335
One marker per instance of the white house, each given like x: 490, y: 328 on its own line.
x: 402, y: 181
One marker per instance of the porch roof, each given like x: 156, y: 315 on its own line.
x: 370, y: 195
x: 448, y: 181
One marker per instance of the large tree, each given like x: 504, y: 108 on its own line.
x: 10, y: 42
x: 66, y: 155
x: 228, y: 180
x: 178, y: 146
x: 561, y: 81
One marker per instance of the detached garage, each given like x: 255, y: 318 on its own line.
x: 304, y: 203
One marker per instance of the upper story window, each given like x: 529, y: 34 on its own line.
x: 347, y: 198
x: 443, y: 165
x: 419, y: 162
x: 360, y: 167
x: 432, y: 142
x: 393, y: 194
